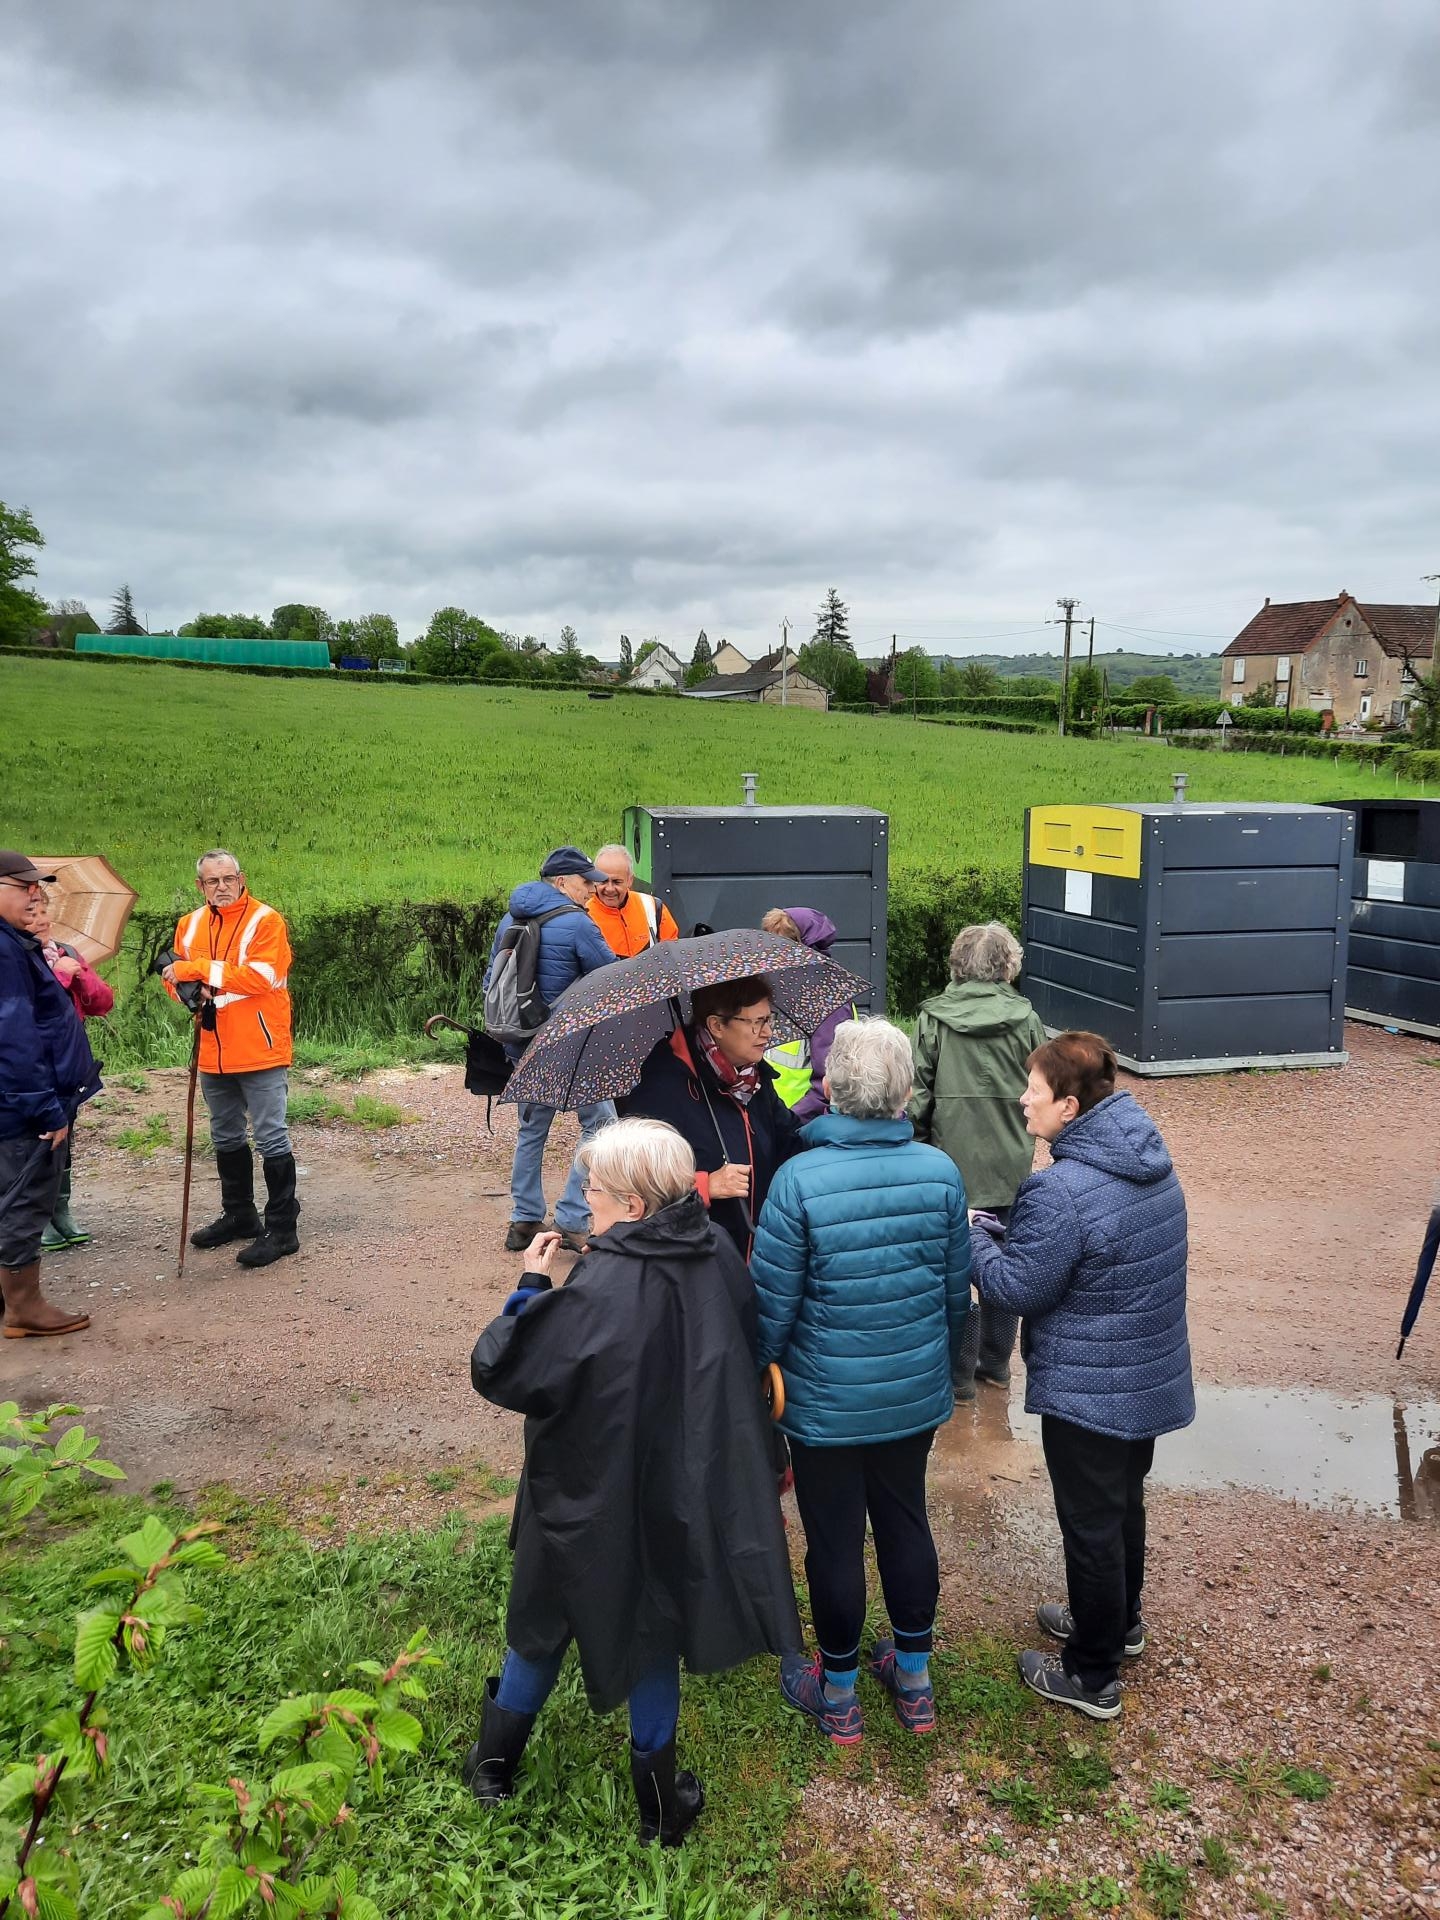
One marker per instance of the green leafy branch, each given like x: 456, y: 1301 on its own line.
x: 263, y: 1837
x: 152, y: 1599
x: 30, y: 1467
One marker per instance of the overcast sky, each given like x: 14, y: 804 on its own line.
x: 658, y: 316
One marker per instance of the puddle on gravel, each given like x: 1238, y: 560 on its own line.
x: 1323, y: 1449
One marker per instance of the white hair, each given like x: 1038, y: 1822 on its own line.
x: 987, y: 952
x: 217, y: 853
x: 870, y: 1070
x: 614, y: 846
x: 647, y: 1158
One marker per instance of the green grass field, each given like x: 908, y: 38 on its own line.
x: 343, y: 801
x: 287, y: 1616
x: 345, y: 795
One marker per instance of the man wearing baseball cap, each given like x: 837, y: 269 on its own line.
x: 46, y: 1071
x: 570, y: 945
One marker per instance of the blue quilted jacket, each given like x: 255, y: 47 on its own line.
x: 1094, y: 1258
x: 571, y: 945
x: 862, y: 1281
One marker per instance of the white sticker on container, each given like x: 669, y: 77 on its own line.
x: 1385, y: 880
x: 1079, y: 892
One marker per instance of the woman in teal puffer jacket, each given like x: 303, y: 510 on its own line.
x: 862, y: 1280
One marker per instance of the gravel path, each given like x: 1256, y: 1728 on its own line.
x: 1285, y: 1635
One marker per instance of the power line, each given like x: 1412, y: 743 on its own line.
x: 1162, y: 633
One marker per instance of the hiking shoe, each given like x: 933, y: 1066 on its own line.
x: 574, y: 1242
x: 1001, y: 1379
x: 1044, y: 1674
x: 803, y: 1684
x: 1056, y: 1618
x: 914, y: 1706
x: 521, y: 1233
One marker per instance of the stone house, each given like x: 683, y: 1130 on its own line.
x: 1333, y: 656
x: 659, y: 668
x: 765, y: 684
x: 728, y: 659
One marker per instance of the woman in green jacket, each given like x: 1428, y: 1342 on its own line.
x: 971, y: 1045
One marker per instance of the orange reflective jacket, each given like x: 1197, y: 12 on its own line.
x: 242, y: 953
x: 640, y: 923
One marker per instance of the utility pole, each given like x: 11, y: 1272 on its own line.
x: 1068, y: 606
x: 1090, y: 650
x: 784, y: 652
x: 894, y: 642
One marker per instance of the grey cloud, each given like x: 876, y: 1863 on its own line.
x: 654, y: 316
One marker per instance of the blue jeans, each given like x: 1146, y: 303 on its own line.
x: 527, y: 1193
x: 525, y: 1686
x: 260, y: 1095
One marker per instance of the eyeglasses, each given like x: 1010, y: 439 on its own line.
x: 25, y: 886
x: 223, y: 880
x: 765, y: 1023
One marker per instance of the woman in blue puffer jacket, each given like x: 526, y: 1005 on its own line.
x: 862, y: 1281
x: 1094, y: 1257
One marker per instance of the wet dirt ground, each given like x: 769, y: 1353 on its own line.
x: 1294, y: 1529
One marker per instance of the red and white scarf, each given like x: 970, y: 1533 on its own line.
x: 740, y: 1084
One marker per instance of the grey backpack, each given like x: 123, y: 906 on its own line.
x: 514, y: 1008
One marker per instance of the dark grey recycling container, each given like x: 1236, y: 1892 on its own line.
x: 727, y: 866
x: 1394, y: 973
x: 1194, y: 938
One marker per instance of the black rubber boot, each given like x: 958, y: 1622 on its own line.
x: 669, y: 1802
x: 239, y: 1221
x: 489, y: 1767
x: 282, y: 1210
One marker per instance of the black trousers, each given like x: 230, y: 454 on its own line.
x: 30, y: 1174
x: 1099, y: 1487
x: 835, y: 1487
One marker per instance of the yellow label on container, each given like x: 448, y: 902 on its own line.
x: 1086, y: 840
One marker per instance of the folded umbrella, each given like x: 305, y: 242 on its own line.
x: 601, y: 1029
x: 89, y: 903
x: 1430, y: 1246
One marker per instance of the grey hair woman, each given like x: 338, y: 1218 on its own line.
x: 971, y: 1045
x: 646, y: 1526
x: 862, y: 1280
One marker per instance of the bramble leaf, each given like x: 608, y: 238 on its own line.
x: 286, y: 1718
x: 96, y: 1655
x: 398, y: 1730
x: 150, y: 1542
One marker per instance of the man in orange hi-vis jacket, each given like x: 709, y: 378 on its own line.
x: 237, y: 950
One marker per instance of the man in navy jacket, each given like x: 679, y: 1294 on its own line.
x: 571, y: 945
x: 46, y: 1071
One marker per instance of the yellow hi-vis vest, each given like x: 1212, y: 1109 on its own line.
x: 794, y: 1069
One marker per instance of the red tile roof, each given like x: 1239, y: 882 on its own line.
x: 1291, y: 626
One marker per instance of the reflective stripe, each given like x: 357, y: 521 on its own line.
x: 264, y: 969
x: 189, y: 927
x: 261, y: 913
x: 793, y: 1072
x: 227, y: 999
x: 650, y: 907
x: 217, y: 973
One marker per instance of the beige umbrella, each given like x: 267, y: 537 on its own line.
x: 89, y: 902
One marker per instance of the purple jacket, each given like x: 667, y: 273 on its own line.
x: 817, y: 930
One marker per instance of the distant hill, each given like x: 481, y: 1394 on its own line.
x: 1193, y: 673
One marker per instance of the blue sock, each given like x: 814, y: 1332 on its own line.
x: 839, y: 1686
x: 913, y: 1669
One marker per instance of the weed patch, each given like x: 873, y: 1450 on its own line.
x: 144, y: 1140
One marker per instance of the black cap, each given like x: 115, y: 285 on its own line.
x: 19, y: 866
x: 570, y: 860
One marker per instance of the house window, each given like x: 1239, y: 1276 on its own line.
x: 1237, y: 672
x: 1362, y: 669
x: 1282, y: 669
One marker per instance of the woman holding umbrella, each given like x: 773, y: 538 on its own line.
x: 710, y: 1080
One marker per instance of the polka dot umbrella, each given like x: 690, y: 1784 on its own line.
x: 600, y: 1030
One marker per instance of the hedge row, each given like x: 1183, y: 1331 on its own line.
x: 989, y: 726
x: 1206, y: 713
x: 1414, y: 763
x: 380, y: 971
x: 410, y: 678
x: 1018, y: 706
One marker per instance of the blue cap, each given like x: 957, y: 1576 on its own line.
x: 570, y: 860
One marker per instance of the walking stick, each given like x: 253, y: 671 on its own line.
x: 189, y: 1147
